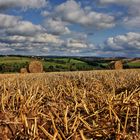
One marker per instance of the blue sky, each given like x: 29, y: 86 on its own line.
x: 106, y: 28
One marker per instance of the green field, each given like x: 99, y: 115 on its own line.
x: 135, y: 64
x: 14, y: 60
x: 64, y: 64
x: 14, y: 64
x: 10, y: 64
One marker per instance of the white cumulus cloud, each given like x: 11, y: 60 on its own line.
x: 128, y: 43
x: 7, y: 21
x: 56, y: 26
x: 38, y: 38
x: 133, y: 17
x: 73, y: 43
x: 16, y: 26
x: 124, y: 2
x: 22, y: 3
x: 25, y: 28
x: 72, y: 12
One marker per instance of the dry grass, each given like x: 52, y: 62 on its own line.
x: 99, y: 105
x: 35, y: 67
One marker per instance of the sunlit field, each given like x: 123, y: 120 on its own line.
x: 92, y: 105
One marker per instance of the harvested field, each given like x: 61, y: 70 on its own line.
x: 95, y: 105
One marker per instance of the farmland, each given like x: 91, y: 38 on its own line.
x: 13, y: 64
x: 98, y: 105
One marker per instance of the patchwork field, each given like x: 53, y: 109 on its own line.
x: 93, y: 105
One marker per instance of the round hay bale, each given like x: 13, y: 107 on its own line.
x: 23, y: 70
x: 118, y: 65
x: 35, y: 67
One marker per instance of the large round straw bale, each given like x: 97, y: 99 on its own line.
x: 118, y: 65
x: 35, y: 67
x: 23, y: 70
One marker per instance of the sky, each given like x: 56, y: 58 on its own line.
x: 102, y: 28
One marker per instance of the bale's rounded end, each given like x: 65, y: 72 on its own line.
x: 35, y: 67
x: 118, y: 65
x: 115, y: 65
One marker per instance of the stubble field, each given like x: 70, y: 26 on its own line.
x: 94, y: 105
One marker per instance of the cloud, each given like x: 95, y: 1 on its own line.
x: 25, y: 28
x: 75, y: 46
x: 127, y: 44
x: 56, y: 26
x: 14, y: 25
x: 39, y: 44
x: 24, y: 37
x: 73, y: 43
x: 43, y: 44
x: 133, y: 22
x: 38, y: 38
x: 120, y: 2
x: 72, y: 12
x: 7, y: 21
x: 4, y: 4
x: 19, y: 36
x: 132, y: 19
